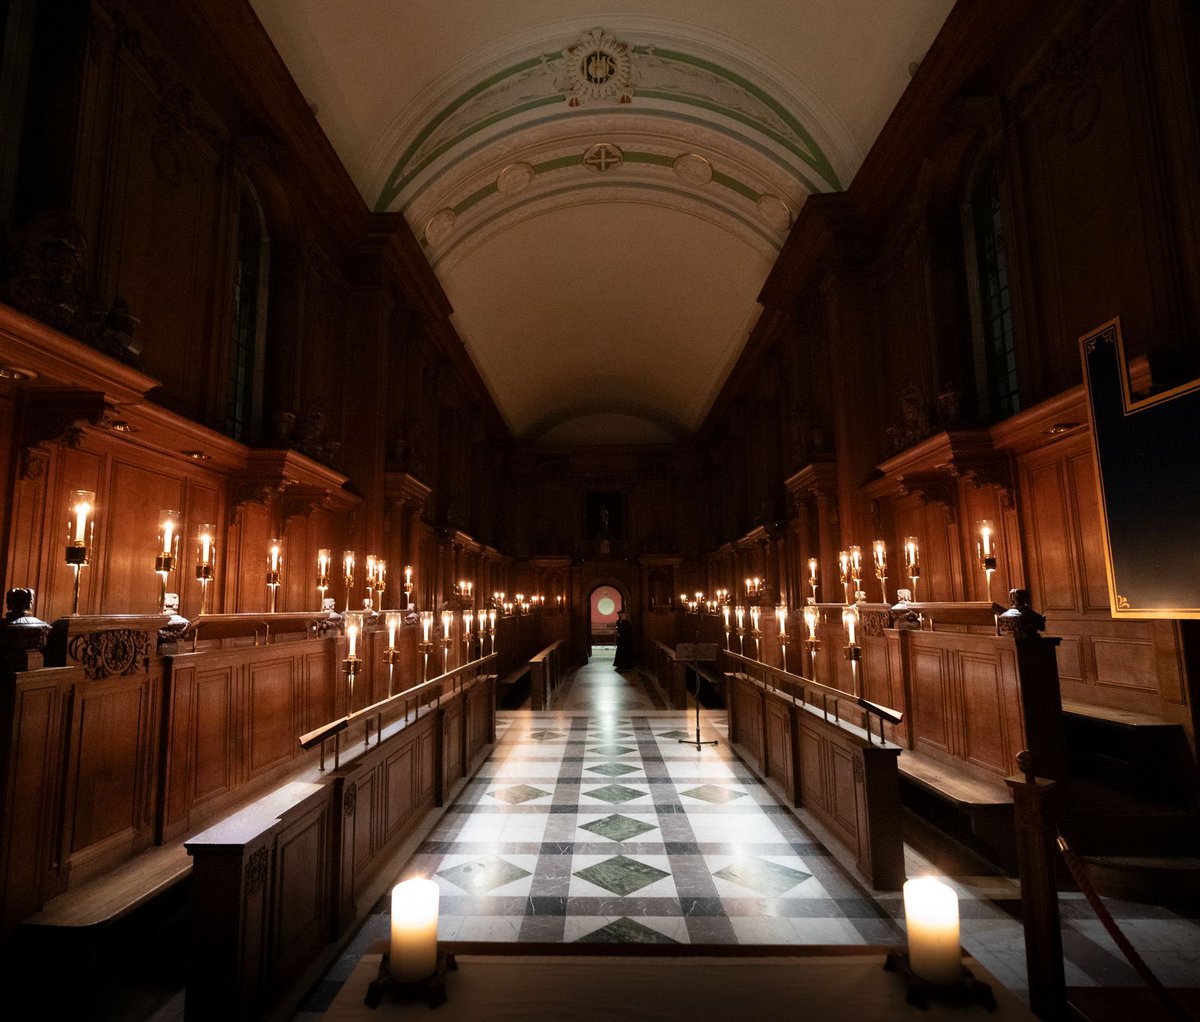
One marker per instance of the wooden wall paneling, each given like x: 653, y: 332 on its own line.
x: 1053, y: 582
x: 451, y: 723
x: 9, y: 463
x: 31, y: 718
x: 843, y: 786
x: 778, y: 743
x: 814, y: 791
x: 254, y: 529
x: 1084, y: 510
x: 985, y: 698
x: 28, y: 532
x: 214, y: 755
x: 163, y: 180
x: 135, y: 496
x: 399, y: 794
x: 320, y: 677
x: 931, y: 700
x: 74, y: 468
x: 203, y: 505
x: 111, y: 779
x: 272, y: 724
x: 300, y: 892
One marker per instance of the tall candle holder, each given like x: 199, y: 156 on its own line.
x: 844, y: 568
x: 856, y: 565
x: 81, y: 526
x: 492, y: 627
x: 348, y: 573
x: 426, y: 643
x: 781, y: 615
x: 811, y: 617
x: 206, y: 557
x: 879, y: 551
x: 985, y: 546
x: 468, y: 619
x: 408, y: 586
x: 274, y: 565
x: 725, y: 616
x: 369, y: 579
x: 912, y: 563
x: 354, y: 625
x: 391, y: 656
x: 813, y: 568
x: 755, y: 631
x: 167, y: 554
x: 447, y: 625
x: 381, y: 581
x: 481, y: 618
x: 852, y: 650
x: 739, y: 613
x: 324, y: 561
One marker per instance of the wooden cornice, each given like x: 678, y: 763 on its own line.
x: 402, y: 488
x: 818, y: 479
x: 933, y: 467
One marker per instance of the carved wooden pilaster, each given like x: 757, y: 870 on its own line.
x: 933, y: 488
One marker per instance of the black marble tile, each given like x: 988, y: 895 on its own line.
x: 540, y: 905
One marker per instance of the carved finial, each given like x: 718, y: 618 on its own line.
x: 1021, y: 620
x: 1025, y: 765
x: 22, y: 636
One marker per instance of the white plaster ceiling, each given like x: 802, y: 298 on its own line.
x: 602, y: 301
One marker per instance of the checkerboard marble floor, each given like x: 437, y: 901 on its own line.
x: 595, y: 823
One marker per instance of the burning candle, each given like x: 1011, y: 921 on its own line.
x: 426, y: 624
x: 413, y: 951
x: 170, y: 523
x: 447, y: 623
x: 987, y: 543
x: 725, y: 614
x: 393, y: 622
x: 912, y: 554
x: 810, y: 619
x: 370, y: 569
x: 481, y: 620
x: 781, y: 617
x: 83, y: 503
x: 754, y: 617
x: 856, y: 561
x: 850, y: 624
x: 348, y: 564
x: 812, y: 571
x: 740, y: 613
x: 931, y: 915
x: 323, y: 561
x: 844, y: 564
x: 880, y: 549
x: 274, y: 554
x: 352, y: 635
x: 204, y: 552
x: 492, y: 619
x: 408, y: 574
x: 468, y: 618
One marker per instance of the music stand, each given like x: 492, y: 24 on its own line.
x: 695, y: 653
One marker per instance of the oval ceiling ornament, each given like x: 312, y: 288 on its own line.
x: 694, y: 169
x: 514, y: 178
x: 775, y: 212
x: 597, y: 68
x: 438, y: 226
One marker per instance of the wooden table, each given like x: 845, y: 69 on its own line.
x: 531, y: 983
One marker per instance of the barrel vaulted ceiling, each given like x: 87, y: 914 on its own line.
x: 601, y: 189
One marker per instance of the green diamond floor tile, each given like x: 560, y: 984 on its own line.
x: 614, y: 794
x: 617, y: 827
x: 483, y: 875
x: 518, y: 793
x: 675, y: 734
x: 612, y: 750
x: 613, y: 769
x: 714, y: 794
x: 625, y: 931
x: 769, y: 878
x: 621, y: 874
x: 546, y: 736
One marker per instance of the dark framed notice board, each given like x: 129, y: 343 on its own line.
x: 1146, y: 448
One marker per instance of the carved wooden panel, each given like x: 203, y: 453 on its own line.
x: 399, y: 783
x: 843, y: 792
x: 135, y: 496
x: 452, y: 743
x: 270, y: 726
x: 984, y: 697
x: 1085, y: 504
x: 930, y: 691
x: 813, y: 774
x: 426, y: 772
x: 213, y: 743
x: 779, y: 743
x: 111, y: 771
x: 1124, y: 663
x: 300, y: 899
x: 361, y: 816
x: 163, y: 182
x: 318, y: 689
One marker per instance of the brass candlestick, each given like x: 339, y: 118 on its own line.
x: 986, y: 548
x: 348, y: 574
x: 206, y: 556
x: 81, y: 527
x: 912, y: 563
x: 274, y: 563
x: 167, y: 554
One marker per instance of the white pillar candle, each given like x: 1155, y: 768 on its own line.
x: 931, y: 915
x: 413, y: 953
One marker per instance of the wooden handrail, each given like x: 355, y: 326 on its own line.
x: 539, y: 657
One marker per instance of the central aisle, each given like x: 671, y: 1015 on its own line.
x: 596, y: 824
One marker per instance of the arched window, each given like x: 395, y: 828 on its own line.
x: 246, y: 352
x: 997, y: 381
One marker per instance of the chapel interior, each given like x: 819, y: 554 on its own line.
x: 541, y: 446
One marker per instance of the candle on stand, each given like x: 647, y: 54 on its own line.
x: 850, y: 624
x: 413, y: 951
x: 812, y: 575
x: 781, y: 617
x: 393, y: 622
x: 879, y: 550
x: 810, y: 620
x: 856, y: 566
x: 426, y: 624
x: 273, y: 554
x: 912, y: 562
x: 931, y: 916
x: 352, y: 636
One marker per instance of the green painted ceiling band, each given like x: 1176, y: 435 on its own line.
x: 773, y: 243
x: 566, y: 162
x: 826, y: 170
x: 790, y: 168
x: 398, y: 179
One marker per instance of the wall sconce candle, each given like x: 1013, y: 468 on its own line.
x: 81, y: 525
x: 725, y: 615
x: 274, y: 565
x: 931, y: 918
x: 812, y: 575
x: 912, y: 562
x: 986, y: 547
x: 206, y: 557
x: 844, y: 566
x: 167, y: 553
x: 811, y: 617
x: 879, y: 550
x: 412, y: 952
x: 324, y: 561
x: 354, y: 625
x: 856, y: 567
x: 492, y: 627
x: 392, y: 620
x: 426, y: 645
x: 380, y: 579
x: 781, y: 614
x: 348, y: 573
x: 850, y: 624
x: 408, y: 586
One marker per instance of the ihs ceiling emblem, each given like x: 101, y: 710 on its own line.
x: 597, y: 67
